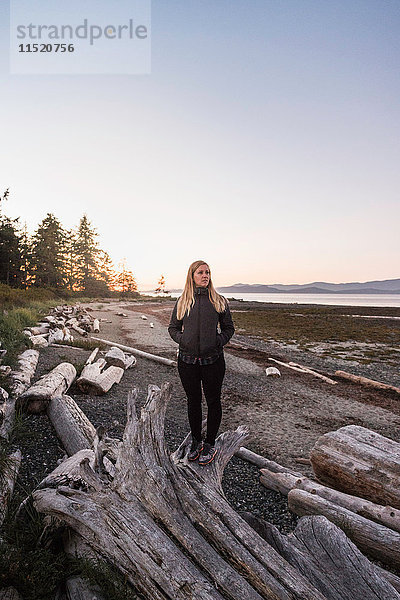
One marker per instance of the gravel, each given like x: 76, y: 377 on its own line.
x: 42, y: 450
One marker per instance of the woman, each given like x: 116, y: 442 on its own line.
x: 194, y: 322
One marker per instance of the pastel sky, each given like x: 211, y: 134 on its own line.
x: 265, y: 140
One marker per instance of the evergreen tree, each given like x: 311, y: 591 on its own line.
x: 71, y: 267
x: 48, y: 253
x: 10, y: 257
x: 87, y: 255
x: 125, y: 281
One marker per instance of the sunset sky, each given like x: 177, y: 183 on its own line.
x: 265, y: 140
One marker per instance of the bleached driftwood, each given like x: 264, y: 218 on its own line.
x: 373, y: 539
x: 20, y: 380
x: 5, y: 370
x: 263, y: 463
x: 7, y: 480
x: 79, y: 330
x: 329, y: 560
x: 360, y: 462
x: 72, y: 426
x: 314, y: 373
x: 155, y: 506
x: 56, y: 335
x: 96, y: 325
x: 52, y: 384
x: 301, y: 369
x: 284, y: 482
x: 95, y: 380
x: 39, y: 330
x: 117, y: 358
x: 272, y: 372
x: 371, y: 383
x: 160, y: 359
x: 39, y: 340
x: 92, y: 357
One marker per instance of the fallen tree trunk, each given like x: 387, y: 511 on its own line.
x: 155, y: 506
x: 284, y: 482
x: 315, y: 373
x: 96, y: 326
x: 372, y: 539
x: 72, y: 426
x: 360, y: 462
x: 160, y: 359
x: 377, y: 385
x: 316, y: 548
x: 300, y: 369
x: 20, y: 380
x: 8, y: 477
x: 53, y: 384
x: 95, y: 380
x: 262, y: 462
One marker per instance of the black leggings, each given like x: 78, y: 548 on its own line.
x: 211, y: 376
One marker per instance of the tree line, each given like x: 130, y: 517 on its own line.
x: 58, y: 258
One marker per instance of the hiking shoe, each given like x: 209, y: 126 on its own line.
x: 195, y: 450
x: 207, y: 455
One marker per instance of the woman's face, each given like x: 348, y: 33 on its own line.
x: 201, y: 276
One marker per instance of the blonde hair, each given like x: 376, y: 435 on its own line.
x: 187, y: 299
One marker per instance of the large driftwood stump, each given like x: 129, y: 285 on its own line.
x: 360, y: 462
x: 166, y: 524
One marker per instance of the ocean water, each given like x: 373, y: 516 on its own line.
x: 328, y: 299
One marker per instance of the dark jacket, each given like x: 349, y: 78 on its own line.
x: 197, y: 333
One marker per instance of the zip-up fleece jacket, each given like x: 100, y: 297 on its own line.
x: 197, y: 333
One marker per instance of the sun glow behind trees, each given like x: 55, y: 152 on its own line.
x: 54, y: 257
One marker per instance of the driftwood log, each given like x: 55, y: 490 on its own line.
x: 301, y: 369
x: 263, y: 463
x: 20, y: 381
x: 160, y: 359
x: 156, y: 506
x: 52, y: 384
x: 360, y: 462
x: 371, y: 383
x: 372, y: 539
x: 96, y: 379
x: 329, y: 560
x: 8, y: 477
x: 117, y: 358
x: 71, y: 424
x: 284, y: 482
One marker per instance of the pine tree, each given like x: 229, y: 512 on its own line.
x: 10, y: 256
x: 161, y: 285
x: 87, y: 255
x: 125, y: 281
x: 48, y: 253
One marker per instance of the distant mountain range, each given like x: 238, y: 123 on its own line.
x: 387, y: 286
